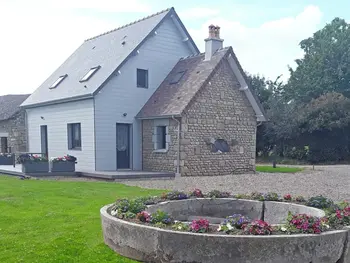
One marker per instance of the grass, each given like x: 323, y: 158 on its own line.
x: 270, y: 169
x: 57, y: 221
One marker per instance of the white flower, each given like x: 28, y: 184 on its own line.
x: 229, y: 226
x: 284, y: 229
x: 219, y: 229
x: 114, y: 212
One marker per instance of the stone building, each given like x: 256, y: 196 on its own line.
x: 12, y: 124
x: 205, y: 100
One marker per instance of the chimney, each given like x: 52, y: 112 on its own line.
x: 213, y: 42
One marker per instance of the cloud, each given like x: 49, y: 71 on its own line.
x: 198, y: 12
x: 267, y: 49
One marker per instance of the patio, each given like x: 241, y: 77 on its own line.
x: 105, y: 175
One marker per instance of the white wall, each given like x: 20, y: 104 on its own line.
x: 56, y: 117
x: 159, y: 54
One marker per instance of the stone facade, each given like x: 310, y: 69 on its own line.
x: 219, y: 111
x: 159, y: 161
x: 15, y: 129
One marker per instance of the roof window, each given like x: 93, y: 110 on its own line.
x: 58, y: 81
x: 90, y: 73
x: 178, y: 76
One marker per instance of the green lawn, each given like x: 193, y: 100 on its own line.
x: 57, y: 221
x: 278, y: 169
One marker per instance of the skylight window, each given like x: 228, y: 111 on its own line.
x: 90, y: 73
x: 58, y: 81
x: 177, y: 77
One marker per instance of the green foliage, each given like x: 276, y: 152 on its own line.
x: 272, y: 197
x: 257, y: 196
x: 180, y: 226
x: 161, y: 217
x: 320, y: 202
x: 218, y: 194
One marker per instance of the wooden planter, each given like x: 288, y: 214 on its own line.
x: 35, y: 167
x: 62, y: 167
x: 6, y: 160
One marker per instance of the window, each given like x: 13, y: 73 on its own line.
x: 142, y: 78
x: 160, y: 138
x: 177, y: 77
x: 90, y: 73
x: 58, y: 81
x: 74, y: 136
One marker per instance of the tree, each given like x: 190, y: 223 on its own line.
x: 325, y: 65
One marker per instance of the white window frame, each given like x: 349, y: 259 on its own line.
x: 89, y: 74
x: 157, y: 136
x: 58, y: 81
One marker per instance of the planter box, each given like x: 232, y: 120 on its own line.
x: 35, y: 167
x: 4, y: 160
x: 62, y: 167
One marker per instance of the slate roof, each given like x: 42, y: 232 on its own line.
x: 172, y: 99
x: 105, y: 50
x: 9, y: 105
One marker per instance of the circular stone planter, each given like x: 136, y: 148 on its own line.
x: 151, y: 244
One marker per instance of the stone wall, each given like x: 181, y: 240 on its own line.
x: 15, y: 127
x: 159, y: 161
x: 219, y: 111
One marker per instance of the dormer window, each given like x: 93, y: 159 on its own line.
x: 58, y: 81
x: 90, y: 73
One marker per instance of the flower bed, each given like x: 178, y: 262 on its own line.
x: 155, y: 219
x: 6, y: 159
x: 33, y: 164
x: 63, y: 164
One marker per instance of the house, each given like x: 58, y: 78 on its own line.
x: 142, y: 97
x: 12, y: 124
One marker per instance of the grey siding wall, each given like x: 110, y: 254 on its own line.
x: 159, y: 55
x: 56, y: 117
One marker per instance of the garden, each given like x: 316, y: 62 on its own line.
x: 298, y: 228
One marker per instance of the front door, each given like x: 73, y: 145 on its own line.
x: 123, y: 146
x: 43, y: 136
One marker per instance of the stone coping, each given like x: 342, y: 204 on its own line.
x: 151, y: 244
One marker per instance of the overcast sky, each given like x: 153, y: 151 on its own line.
x: 38, y: 35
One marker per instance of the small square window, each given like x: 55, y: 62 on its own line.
x: 90, y: 73
x: 142, y: 78
x: 74, y: 136
x: 178, y: 76
x: 58, y: 81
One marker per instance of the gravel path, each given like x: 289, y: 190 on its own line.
x: 330, y: 181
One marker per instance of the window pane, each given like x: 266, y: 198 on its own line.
x: 75, y: 135
x: 88, y: 75
x: 177, y: 77
x: 161, y: 137
x: 142, y: 78
x: 58, y: 81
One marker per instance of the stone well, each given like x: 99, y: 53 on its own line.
x: 150, y: 244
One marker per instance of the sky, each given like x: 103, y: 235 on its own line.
x: 37, y: 36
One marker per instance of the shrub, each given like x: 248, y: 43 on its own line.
x: 136, y: 205
x: 319, y: 202
x: 302, y: 223
x: 175, y: 195
x: 271, y: 197
x: 236, y: 221
x: 160, y: 225
x: 242, y: 196
x: 121, y: 205
x: 179, y: 226
x: 161, y: 217
x: 199, y: 226
x: 130, y: 215
x: 287, y: 197
x: 218, y: 194
x: 258, y: 227
x: 257, y: 196
x: 144, y: 217
x: 66, y: 158
x: 197, y: 193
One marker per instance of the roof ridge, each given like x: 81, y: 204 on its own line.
x: 129, y: 24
